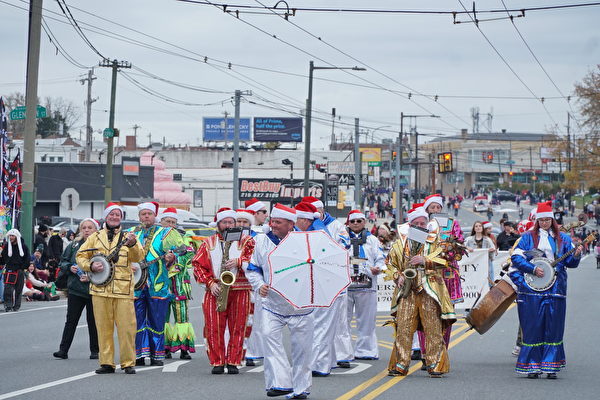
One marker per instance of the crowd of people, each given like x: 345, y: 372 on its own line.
x: 138, y: 279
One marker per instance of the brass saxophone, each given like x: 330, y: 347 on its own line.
x: 409, y: 274
x: 227, y: 279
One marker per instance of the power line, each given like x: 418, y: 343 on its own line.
x: 59, y: 48
x: 73, y: 23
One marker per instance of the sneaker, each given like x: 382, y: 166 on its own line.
x: 516, y: 351
x: 105, y: 369
x: 60, y: 354
x: 343, y: 364
x: 278, y: 392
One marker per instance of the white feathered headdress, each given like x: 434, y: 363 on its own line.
x: 16, y: 233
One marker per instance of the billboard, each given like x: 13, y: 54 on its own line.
x: 213, y: 129
x: 271, y: 129
x: 371, y: 155
x: 276, y: 190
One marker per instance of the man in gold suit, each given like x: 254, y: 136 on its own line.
x: 427, y: 305
x: 113, y: 303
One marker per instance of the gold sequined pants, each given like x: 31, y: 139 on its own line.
x: 414, y: 310
x: 108, y: 312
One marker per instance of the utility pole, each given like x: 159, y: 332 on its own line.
x: 115, y: 65
x: 531, y: 167
x: 226, y: 122
x: 399, y: 210
x: 569, y: 140
x: 88, y: 122
x: 357, y: 164
x: 236, y: 147
x: 417, y: 194
x: 431, y: 160
x: 332, y: 129
x: 135, y: 128
x: 33, y: 63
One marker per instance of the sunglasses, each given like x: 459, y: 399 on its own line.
x: 356, y: 221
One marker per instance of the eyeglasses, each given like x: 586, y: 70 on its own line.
x: 261, y: 212
x: 356, y: 221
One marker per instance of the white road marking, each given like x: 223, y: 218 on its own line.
x: 81, y: 326
x: 32, y: 309
x: 199, y: 345
x: 356, y: 368
x: 172, y: 367
x: 260, y: 368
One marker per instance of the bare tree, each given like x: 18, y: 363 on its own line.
x: 588, y: 93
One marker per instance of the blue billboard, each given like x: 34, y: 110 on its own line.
x: 270, y: 129
x: 214, y: 129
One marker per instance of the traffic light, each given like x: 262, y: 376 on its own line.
x: 487, y: 157
x: 445, y: 162
x: 510, y: 173
x: 394, y: 155
x: 341, y: 199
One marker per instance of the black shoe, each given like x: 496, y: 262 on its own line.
x: 15, y: 309
x: 105, y: 369
x: 552, y: 375
x: 300, y: 396
x: 218, y: 370
x: 423, y: 366
x: 158, y: 363
x: 232, y: 370
x: 343, y: 364
x: 7, y: 309
x: 168, y: 355
x: 277, y: 392
x: 185, y: 356
x: 140, y: 362
x: 436, y: 374
x: 533, y: 375
x: 395, y: 372
x: 416, y: 355
x: 61, y: 354
x: 93, y: 356
x: 250, y: 362
x: 129, y: 370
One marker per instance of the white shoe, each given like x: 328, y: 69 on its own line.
x: 516, y: 351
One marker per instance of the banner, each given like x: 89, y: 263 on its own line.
x: 385, y: 290
x: 214, y: 129
x: 270, y: 129
x: 474, y: 274
x: 279, y: 190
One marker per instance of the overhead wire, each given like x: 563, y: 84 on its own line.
x: 67, y: 12
x: 59, y: 48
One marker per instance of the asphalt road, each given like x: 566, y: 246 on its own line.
x: 482, y: 367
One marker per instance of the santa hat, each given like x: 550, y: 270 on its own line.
x: 355, y: 214
x: 313, y: 200
x: 110, y: 207
x: 93, y: 221
x: 281, y: 211
x: 254, y: 204
x: 245, y: 214
x: 224, y: 212
x: 16, y: 233
x: 544, y: 210
x: 170, y: 212
x: 433, y: 198
x: 417, y: 211
x: 150, y: 205
x: 306, y: 210
x: 486, y: 224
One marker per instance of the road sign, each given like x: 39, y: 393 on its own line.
x: 510, y: 162
x: 374, y: 163
x: 19, y: 113
x: 108, y: 133
x: 69, y: 199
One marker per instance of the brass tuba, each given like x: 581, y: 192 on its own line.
x: 227, y: 279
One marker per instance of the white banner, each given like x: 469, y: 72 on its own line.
x: 385, y: 290
x: 474, y: 274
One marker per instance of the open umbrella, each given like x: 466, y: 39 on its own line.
x: 309, y: 269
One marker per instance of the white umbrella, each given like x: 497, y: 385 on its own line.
x: 309, y: 269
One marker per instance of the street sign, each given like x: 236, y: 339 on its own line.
x: 374, y: 163
x: 510, y: 162
x: 19, y: 113
x: 108, y: 133
x: 69, y: 199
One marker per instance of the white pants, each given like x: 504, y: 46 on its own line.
x: 343, y: 339
x: 323, y: 350
x: 415, y: 343
x: 278, y: 373
x: 363, y: 303
x: 254, y: 344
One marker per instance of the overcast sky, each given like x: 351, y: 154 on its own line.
x: 427, y: 53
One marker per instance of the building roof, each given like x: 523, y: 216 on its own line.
x: 499, y: 137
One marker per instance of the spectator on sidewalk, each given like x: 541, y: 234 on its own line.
x: 15, y: 257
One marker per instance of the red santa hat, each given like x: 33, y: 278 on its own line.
x: 355, y: 214
x: 417, y: 211
x: 281, y: 211
x: 170, y: 212
x: 544, y: 210
x: 110, y: 207
x: 245, y: 214
x: 313, y: 200
x: 93, y: 221
x: 306, y: 210
x: 433, y: 198
x: 224, y: 212
x: 149, y: 205
x: 254, y: 204
x: 486, y: 224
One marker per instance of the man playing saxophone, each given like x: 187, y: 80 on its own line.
x: 421, y: 298
x: 218, y: 265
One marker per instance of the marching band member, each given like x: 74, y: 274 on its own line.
x: 113, y: 303
x: 425, y: 302
x: 260, y: 216
x: 343, y: 340
x: 362, y: 292
x: 281, y: 378
x: 152, y: 301
x: 542, y: 313
x: 213, y: 258
x: 307, y: 218
x: 180, y: 336
x: 245, y: 219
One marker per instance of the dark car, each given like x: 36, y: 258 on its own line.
x: 504, y: 195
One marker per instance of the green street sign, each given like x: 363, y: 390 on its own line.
x: 108, y: 133
x: 374, y: 163
x: 19, y: 113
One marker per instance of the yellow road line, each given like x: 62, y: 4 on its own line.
x: 363, y: 386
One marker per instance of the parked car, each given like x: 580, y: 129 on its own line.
x: 505, y: 195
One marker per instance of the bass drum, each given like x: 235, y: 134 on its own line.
x: 105, y: 276
x: 545, y: 282
x: 140, y: 276
x: 488, y: 310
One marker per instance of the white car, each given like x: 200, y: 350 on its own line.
x: 480, y: 204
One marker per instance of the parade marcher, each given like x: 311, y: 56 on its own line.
x: 113, y: 303
x: 78, y: 297
x: 214, y: 257
x: 362, y: 292
x: 152, y: 300
x: 245, y: 219
x: 480, y: 240
x: 425, y: 302
x: 542, y: 313
x: 260, y: 216
x: 180, y: 336
x: 308, y: 218
x: 281, y: 378
x: 15, y: 258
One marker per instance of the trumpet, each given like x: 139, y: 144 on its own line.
x: 227, y: 279
x: 409, y: 276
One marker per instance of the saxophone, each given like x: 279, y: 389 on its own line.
x: 227, y: 279
x: 410, y: 274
